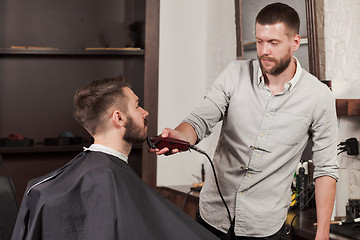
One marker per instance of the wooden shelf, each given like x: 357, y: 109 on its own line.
x: 348, y: 107
x: 9, y: 51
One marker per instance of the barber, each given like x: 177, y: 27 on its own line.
x: 270, y: 107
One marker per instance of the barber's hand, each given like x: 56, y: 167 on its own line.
x: 168, y: 132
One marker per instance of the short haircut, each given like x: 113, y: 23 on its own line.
x: 93, y: 101
x: 280, y: 13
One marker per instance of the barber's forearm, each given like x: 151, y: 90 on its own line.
x: 187, y: 132
x: 325, y: 188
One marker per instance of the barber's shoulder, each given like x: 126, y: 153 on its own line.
x: 242, y: 65
x: 315, y: 83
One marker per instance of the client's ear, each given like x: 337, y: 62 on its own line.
x: 118, y: 118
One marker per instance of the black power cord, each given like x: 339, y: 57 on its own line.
x: 171, y: 143
x: 301, y: 194
x: 298, y: 213
x: 184, y: 201
x: 215, y: 177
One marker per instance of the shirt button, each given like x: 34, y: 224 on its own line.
x: 261, y: 135
x: 240, y: 193
x: 256, y: 155
x: 268, y: 114
x: 269, y: 94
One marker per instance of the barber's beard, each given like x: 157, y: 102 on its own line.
x: 280, y: 65
x: 135, y: 133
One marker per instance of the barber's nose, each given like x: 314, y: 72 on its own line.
x: 265, y: 49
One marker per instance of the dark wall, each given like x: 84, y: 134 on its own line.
x: 36, y: 91
x: 68, y: 24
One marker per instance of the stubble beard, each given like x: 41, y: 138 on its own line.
x: 135, y: 133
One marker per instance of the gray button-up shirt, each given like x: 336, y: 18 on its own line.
x: 261, y: 143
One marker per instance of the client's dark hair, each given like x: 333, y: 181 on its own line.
x: 92, y: 102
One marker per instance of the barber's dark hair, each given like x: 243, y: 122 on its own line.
x: 92, y: 102
x: 280, y: 13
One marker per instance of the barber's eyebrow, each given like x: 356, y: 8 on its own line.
x: 274, y: 40
x: 269, y: 40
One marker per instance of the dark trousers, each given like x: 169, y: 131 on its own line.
x: 280, y: 235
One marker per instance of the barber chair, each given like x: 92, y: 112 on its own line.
x: 8, y: 207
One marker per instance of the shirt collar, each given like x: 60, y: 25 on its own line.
x: 290, y: 84
x: 104, y: 149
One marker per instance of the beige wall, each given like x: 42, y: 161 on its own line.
x: 341, y: 57
x: 197, y: 41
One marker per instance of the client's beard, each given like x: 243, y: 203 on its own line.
x: 135, y: 133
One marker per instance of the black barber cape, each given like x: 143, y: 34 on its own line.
x: 98, y: 196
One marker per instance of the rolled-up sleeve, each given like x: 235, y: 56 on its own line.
x: 204, y: 118
x: 324, y: 135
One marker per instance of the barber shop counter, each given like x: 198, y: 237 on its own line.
x: 302, y: 226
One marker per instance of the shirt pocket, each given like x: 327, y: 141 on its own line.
x: 290, y: 128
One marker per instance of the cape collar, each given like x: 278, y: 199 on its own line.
x: 104, y: 149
